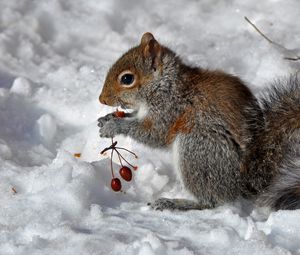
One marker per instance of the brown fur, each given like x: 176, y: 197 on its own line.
x: 232, y: 147
x: 112, y: 90
x: 181, y: 125
x: 271, y: 144
x: 147, y: 124
x: 226, y: 94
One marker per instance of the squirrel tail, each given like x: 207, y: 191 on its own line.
x: 284, y: 191
x: 281, y: 109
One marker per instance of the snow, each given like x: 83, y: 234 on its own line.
x: 54, y: 57
x: 21, y: 86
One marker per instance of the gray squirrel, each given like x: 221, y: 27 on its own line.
x: 228, y: 144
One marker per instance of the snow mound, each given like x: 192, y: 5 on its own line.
x: 54, y: 57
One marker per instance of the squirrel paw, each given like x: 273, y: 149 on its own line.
x: 176, y: 204
x: 163, y: 204
x: 111, y: 128
x: 104, y: 119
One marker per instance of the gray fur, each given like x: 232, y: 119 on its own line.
x: 282, y: 100
x: 210, y: 158
x: 165, y: 105
x: 209, y: 163
x: 176, y: 204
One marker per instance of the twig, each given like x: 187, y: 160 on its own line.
x: 292, y: 59
x: 263, y: 35
x: 110, y: 147
x: 271, y: 41
x: 14, y: 190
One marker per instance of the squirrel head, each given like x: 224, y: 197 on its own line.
x: 133, y: 71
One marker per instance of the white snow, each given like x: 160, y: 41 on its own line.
x: 21, y: 86
x: 54, y: 57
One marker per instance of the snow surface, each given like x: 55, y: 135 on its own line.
x: 54, y: 57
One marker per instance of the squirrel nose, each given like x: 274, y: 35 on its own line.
x: 102, y: 101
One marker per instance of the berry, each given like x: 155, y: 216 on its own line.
x: 119, y: 114
x: 116, y: 184
x: 126, y: 173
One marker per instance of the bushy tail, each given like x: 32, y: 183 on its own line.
x: 284, y: 190
x: 281, y: 147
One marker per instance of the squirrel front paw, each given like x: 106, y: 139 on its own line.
x: 110, y: 128
x: 104, y: 119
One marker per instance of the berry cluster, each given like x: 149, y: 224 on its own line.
x: 125, y: 171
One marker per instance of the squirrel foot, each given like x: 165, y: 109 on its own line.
x: 175, y: 204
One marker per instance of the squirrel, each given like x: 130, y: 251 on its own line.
x: 227, y: 143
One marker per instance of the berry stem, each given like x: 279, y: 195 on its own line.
x: 110, y: 147
x: 121, y: 148
x: 119, y: 157
x: 111, y: 163
x: 124, y: 159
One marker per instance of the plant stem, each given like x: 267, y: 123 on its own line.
x: 110, y: 147
x: 124, y: 159
x: 119, y: 157
x: 111, y: 163
x: 120, y: 148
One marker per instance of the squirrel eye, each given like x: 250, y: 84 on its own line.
x: 126, y: 79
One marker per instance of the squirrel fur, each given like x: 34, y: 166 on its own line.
x: 229, y: 144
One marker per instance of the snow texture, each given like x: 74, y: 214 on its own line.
x: 54, y: 58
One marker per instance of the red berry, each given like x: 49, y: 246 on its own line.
x: 126, y: 173
x: 119, y: 114
x: 116, y: 184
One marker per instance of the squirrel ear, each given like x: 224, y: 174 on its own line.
x: 151, y: 48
